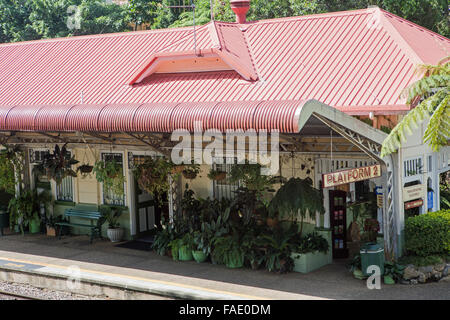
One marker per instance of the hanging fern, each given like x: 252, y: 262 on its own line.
x: 434, y: 87
x: 296, y: 199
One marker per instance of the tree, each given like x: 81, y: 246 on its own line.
x: 434, y: 90
x: 431, y: 14
x: 14, y: 21
x: 202, y: 15
x: 22, y: 20
x: 142, y: 12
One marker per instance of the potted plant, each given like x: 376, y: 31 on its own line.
x: 110, y: 173
x: 311, y: 253
x: 254, y: 250
x: 191, y: 171
x: 163, y: 238
x: 297, y: 198
x: 174, y: 246
x: 35, y: 223
x: 153, y: 176
x: 85, y: 170
x: 217, y: 175
x: 111, y: 216
x: 24, y: 210
x: 50, y: 224
x: 186, y: 247
x: 57, y: 165
x: 228, y: 251
x: 200, y: 247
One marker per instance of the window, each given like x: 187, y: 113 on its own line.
x: 64, y: 192
x: 109, y: 197
x: 412, y: 167
x: 224, y: 188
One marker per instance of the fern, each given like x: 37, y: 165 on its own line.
x: 435, y: 88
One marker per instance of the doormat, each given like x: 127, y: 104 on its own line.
x: 136, y: 245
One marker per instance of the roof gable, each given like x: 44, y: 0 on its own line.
x: 214, y: 47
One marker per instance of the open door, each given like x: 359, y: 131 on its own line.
x: 338, y: 223
x: 148, y: 214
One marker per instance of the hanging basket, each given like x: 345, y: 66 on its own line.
x: 189, y: 174
x: 220, y: 176
x: 85, y: 169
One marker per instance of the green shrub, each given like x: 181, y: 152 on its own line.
x: 421, y: 261
x: 428, y: 234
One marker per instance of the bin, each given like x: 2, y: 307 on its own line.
x: 372, y: 254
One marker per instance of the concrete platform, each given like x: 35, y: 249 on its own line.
x: 103, y: 269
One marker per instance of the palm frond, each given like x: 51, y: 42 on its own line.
x: 438, y: 129
x: 412, y: 119
x: 425, y: 86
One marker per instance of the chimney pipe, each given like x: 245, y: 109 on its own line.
x: 240, y: 8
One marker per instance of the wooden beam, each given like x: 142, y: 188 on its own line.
x: 152, y: 146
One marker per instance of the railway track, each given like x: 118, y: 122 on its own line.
x: 4, y: 295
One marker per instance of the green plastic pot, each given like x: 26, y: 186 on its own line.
x: 199, y: 256
x: 175, y: 254
x: 35, y: 226
x: 234, y: 264
x: 185, y: 254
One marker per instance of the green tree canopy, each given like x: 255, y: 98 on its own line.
x: 22, y: 20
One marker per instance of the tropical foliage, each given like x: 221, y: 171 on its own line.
x: 110, y: 173
x: 11, y: 166
x: 296, y: 199
x: 57, y: 165
x: 218, y: 230
x: 433, y: 91
x: 26, y: 207
x: 152, y: 176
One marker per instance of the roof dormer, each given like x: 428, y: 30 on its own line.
x: 217, y: 47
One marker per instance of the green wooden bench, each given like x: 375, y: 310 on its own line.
x: 95, y: 217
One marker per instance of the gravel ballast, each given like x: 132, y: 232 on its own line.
x: 38, y: 293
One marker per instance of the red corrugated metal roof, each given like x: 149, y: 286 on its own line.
x: 154, y: 117
x: 350, y: 60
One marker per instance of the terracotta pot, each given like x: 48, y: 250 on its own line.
x: 220, y: 176
x: 51, y: 232
x: 189, y: 175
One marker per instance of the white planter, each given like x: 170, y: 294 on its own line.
x: 115, y: 235
x: 307, y: 262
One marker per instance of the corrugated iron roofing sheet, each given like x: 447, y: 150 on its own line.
x: 350, y: 60
x: 154, y: 117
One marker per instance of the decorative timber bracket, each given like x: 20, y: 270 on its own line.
x: 369, y: 147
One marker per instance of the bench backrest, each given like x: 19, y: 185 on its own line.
x: 92, y: 215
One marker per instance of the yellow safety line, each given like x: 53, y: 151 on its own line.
x: 138, y: 278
